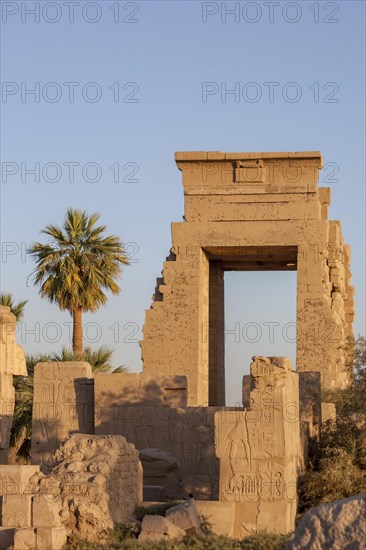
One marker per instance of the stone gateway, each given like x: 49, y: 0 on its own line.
x: 245, y: 212
x: 249, y: 211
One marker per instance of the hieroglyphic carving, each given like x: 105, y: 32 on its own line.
x: 259, y: 448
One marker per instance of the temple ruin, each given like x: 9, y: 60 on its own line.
x: 243, y: 211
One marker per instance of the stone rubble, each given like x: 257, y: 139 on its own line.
x: 335, y: 525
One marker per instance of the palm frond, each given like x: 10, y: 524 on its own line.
x: 6, y: 299
x: 79, y: 264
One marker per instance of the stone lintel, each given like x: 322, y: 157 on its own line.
x: 192, y: 156
x: 250, y: 172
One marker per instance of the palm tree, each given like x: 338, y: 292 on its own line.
x: 6, y: 299
x: 77, y: 265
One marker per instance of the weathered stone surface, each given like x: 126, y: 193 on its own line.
x: 243, y: 211
x: 16, y: 511
x: 46, y: 511
x: 15, y: 479
x: 246, y: 388
x: 185, y: 433
x: 24, y: 538
x: 260, y: 452
x: 159, y: 528
x: 147, y: 390
x: 161, y: 469
x: 337, y: 525
x: 96, y: 482
x: 12, y: 362
x: 154, y: 493
x: 63, y: 404
x: 186, y: 517
x: 310, y: 402
x: 220, y: 516
x: 53, y: 538
x: 12, y: 358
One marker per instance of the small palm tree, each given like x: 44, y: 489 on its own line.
x: 99, y: 359
x: 77, y: 265
x: 6, y: 299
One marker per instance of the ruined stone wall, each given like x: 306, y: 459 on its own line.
x: 249, y: 211
x: 138, y: 388
x: 26, y: 519
x: 12, y: 362
x: 63, y: 404
x: 69, y: 398
x: 95, y: 483
x: 220, y: 449
x: 188, y: 434
x: 249, y: 458
x: 260, y: 450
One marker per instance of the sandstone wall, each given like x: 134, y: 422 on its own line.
x: 260, y: 450
x: 95, y: 483
x: 142, y: 389
x: 69, y: 398
x: 27, y: 520
x: 250, y: 458
x: 63, y: 404
x: 188, y: 434
x: 12, y: 362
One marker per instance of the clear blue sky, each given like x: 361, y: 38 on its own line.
x: 313, y: 51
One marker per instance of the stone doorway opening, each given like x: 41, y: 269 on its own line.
x: 236, y: 335
x: 260, y: 319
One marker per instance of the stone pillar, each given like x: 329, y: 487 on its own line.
x: 63, y: 404
x: 260, y: 451
x: 325, y: 307
x: 12, y: 362
x: 216, y: 334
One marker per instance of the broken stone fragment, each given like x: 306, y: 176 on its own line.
x: 336, y: 525
x: 159, y: 528
x: 186, y: 517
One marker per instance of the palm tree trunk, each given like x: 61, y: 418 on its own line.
x: 77, y: 333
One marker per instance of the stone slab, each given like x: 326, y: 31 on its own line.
x: 219, y: 515
x: 16, y: 511
x: 46, y: 511
x: 16, y: 479
x: 25, y: 538
x: 48, y: 538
